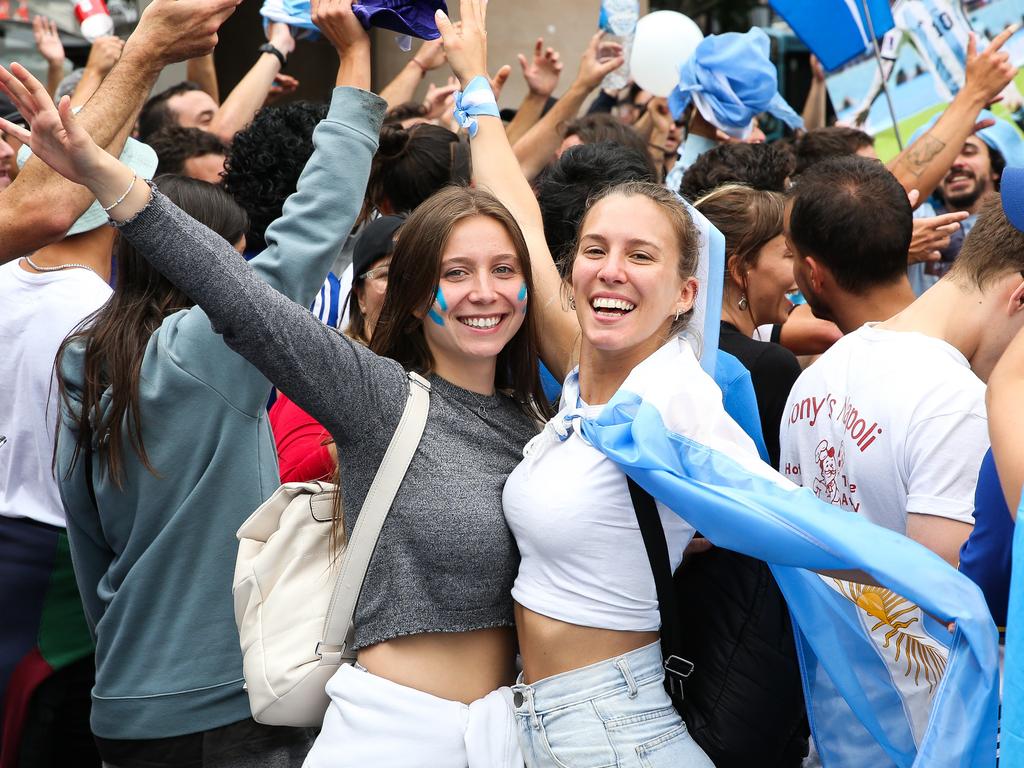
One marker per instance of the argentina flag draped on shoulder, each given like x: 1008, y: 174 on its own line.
x: 666, y: 429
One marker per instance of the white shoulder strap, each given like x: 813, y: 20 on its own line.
x: 339, y: 624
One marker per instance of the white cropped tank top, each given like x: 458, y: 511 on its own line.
x: 583, y: 557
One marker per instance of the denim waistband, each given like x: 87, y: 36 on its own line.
x: 625, y: 671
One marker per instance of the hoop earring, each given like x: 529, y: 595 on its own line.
x: 572, y: 303
x: 679, y: 314
x: 743, y: 303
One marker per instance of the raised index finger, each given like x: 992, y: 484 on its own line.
x: 1001, y: 39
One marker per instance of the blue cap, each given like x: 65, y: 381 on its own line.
x: 1011, y: 190
x: 1003, y: 136
x: 732, y: 80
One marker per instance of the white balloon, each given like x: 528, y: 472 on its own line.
x: 664, y: 40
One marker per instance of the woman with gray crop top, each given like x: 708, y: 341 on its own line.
x: 434, y: 625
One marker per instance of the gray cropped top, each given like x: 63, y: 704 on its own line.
x: 445, y: 560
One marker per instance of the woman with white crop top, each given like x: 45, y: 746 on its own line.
x: 586, y: 614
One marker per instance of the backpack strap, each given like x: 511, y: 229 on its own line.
x: 339, y: 625
x: 647, y: 516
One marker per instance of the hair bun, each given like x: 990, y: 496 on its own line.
x: 394, y: 140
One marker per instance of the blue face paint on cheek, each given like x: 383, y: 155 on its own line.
x: 433, y: 314
x: 522, y: 297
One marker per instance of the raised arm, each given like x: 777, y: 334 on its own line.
x: 541, y: 77
x: 40, y: 206
x: 496, y: 169
x: 250, y: 304
x: 248, y: 96
x: 430, y: 56
x: 203, y: 72
x: 537, y: 148
x: 48, y: 44
x: 924, y: 163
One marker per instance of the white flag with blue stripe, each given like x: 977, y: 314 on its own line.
x: 863, y: 650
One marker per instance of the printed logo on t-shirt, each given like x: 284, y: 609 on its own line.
x: 830, y: 482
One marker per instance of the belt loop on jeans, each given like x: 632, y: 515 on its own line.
x: 627, y: 674
x: 523, y: 695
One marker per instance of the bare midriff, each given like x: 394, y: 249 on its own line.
x: 550, y: 647
x: 459, y: 666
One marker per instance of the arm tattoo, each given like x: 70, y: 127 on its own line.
x: 922, y: 152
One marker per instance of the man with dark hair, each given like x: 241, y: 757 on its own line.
x: 597, y: 128
x: 890, y: 423
x: 834, y: 141
x: 189, y: 152
x: 848, y: 225
x: 189, y: 106
x: 761, y: 166
x: 975, y: 173
x: 563, y: 189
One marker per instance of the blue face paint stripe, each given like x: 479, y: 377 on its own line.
x: 522, y: 293
x: 439, y: 298
x: 435, y: 317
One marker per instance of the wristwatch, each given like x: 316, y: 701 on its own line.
x: 273, y: 50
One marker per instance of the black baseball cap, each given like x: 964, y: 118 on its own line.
x: 376, y: 241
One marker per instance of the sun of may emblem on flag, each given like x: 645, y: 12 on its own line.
x: 920, y: 654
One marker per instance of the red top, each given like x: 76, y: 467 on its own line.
x: 301, y: 454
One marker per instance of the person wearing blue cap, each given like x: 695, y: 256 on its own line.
x: 975, y: 172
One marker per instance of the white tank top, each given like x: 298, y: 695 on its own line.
x: 583, y: 557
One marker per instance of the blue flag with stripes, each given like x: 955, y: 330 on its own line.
x: 835, y: 30
x: 869, y: 654
x: 1012, y: 736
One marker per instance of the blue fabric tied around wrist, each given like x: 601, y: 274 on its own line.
x: 477, y: 99
x: 732, y: 80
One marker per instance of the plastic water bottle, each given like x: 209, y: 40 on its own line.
x: 94, y: 19
x: 618, y: 20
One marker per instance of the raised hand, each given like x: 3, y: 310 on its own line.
x: 430, y: 56
x: 465, y: 45
x: 55, y: 138
x: 543, y: 72
x: 990, y: 71
x: 339, y: 24
x: 47, y: 38
x: 439, y: 98
x: 103, y: 54
x: 932, y: 234
x: 177, y: 30
x: 280, y: 36
x: 599, y: 59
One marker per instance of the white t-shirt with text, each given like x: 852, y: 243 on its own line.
x: 888, y: 423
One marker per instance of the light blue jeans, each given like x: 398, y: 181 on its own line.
x: 613, y: 714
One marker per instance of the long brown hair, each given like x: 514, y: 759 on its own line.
x: 116, y: 335
x: 413, y: 277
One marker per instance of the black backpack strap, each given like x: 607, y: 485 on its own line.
x: 676, y: 667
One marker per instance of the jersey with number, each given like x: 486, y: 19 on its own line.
x: 939, y: 30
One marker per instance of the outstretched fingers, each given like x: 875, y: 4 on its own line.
x: 997, y: 42
x: 12, y: 85
x: 19, y: 132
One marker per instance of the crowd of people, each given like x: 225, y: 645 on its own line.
x: 681, y: 378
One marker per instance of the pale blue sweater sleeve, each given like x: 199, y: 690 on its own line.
x: 301, y: 244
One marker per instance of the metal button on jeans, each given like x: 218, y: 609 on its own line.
x: 517, y: 699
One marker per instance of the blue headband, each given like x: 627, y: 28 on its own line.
x: 732, y: 80
x: 1002, y: 136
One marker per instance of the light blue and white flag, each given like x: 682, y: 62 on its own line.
x: 1012, y: 735
x: 866, y: 652
x: 707, y: 310
x: 836, y: 31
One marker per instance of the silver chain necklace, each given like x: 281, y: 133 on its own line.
x: 59, y: 267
